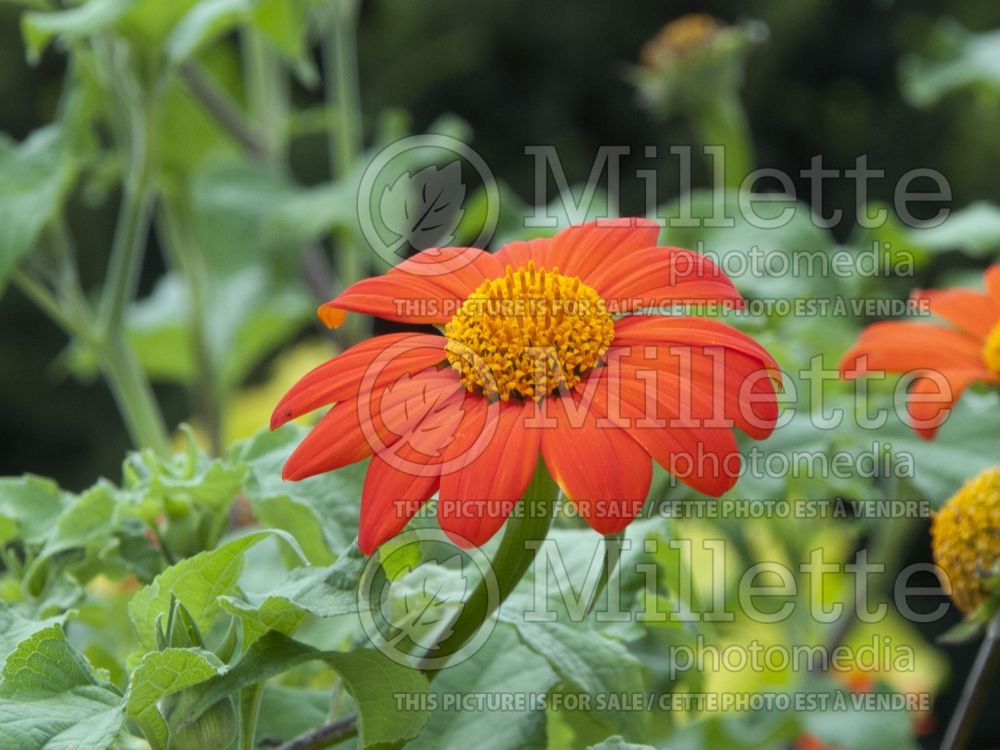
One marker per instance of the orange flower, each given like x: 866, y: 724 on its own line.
x: 539, y: 356
x: 951, y: 357
x: 812, y: 742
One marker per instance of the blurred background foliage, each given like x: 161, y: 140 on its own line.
x: 908, y: 83
x: 254, y: 161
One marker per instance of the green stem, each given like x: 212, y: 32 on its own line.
x: 340, y: 56
x: 525, y: 529
x: 721, y: 121
x: 135, y: 130
x: 184, y: 255
x: 129, y: 243
x: 250, y: 699
x: 47, y: 302
x: 266, y: 95
x: 343, y: 93
x: 133, y: 394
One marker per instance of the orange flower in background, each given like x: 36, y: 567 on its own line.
x: 955, y: 356
x: 546, y: 350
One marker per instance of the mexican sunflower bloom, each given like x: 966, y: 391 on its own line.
x: 542, y: 351
x: 951, y: 357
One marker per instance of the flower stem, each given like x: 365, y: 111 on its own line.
x: 518, y: 547
x: 721, y: 121
x: 976, y: 687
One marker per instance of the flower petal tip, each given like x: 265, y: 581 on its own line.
x: 330, y: 316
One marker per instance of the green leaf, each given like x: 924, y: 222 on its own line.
x: 87, y: 19
x: 796, y: 233
x: 203, y: 24
x: 32, y: 504
x: 245, y: 214
x: 762, y: 730
x: 85, y: 527
x: 853, y: 728
x: 617, y: 742
x: 372, y: 679
x: 50, y: 699
x: 285, y: 23
x: 196, y: 582
x: 975, y: 230
x: 261, y: 615
x: 15, y: 628
x: 34, y: 177
x: 161, y: 674
x: 503, y: 666
x: 971, y: 60
x: 159, y: 327
x: 325, y: 592
x: 321, y: 512
x: 287, y: 712
x: 589, y: 663
x: 967, y: 443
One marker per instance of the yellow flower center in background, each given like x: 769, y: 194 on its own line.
x: 528, y: 333
x: 991, y: 350
x: 965, y: 537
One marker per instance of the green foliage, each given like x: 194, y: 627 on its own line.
x: 34, y: 178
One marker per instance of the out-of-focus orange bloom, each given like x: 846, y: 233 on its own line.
x: 952, y: 356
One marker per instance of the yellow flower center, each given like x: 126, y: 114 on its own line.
x: 991, y: 350
x: 965, y: 538
x: 528, y: 333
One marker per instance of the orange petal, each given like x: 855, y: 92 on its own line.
x: 682, y: 329
x: 389, y: 499
x: 486, y: 482
x: 427, y: 288
x: 354, y: 429
x: 580, y: 250
x: 974, y: 312
x: 517, y: 254
x: 379, y: 361
x: 601, y: 469
x: 658, y: 276
x: 662, y: 414
x: 901, y: 346
x: 930, y: 400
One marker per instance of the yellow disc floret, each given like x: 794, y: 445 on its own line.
x: 991, y: 350
x: 965, y: 538
x: 528, y: 333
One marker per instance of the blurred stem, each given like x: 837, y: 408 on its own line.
x: 976, y: 688
x: 721, y: 121
x: 266, y: 95
x: 324, y: 736
x: 121, y: 368
x: 525, y: 530
x: 133, y: 394
x: 343, y: 94
x: 221, y: 106
x: 185, y: 257
x: 38, y: 293
x: 250, y: 699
